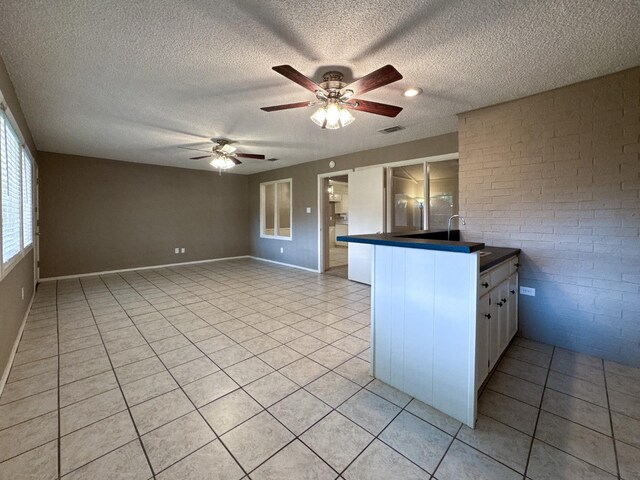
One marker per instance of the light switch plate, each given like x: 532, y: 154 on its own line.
x: 308, y: 209
x: 528, y: 291
x: 281, y: 249
x: 177, y: 250
x: 182, y: 250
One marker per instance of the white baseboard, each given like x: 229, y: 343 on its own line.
x: 314, y: 270
x: 12, y: 356
x: 122, y: 270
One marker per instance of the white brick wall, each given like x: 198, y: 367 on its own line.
x: 558, y: 175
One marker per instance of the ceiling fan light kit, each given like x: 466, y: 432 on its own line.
x: 335, y: 97
x: 225, y: 156
x: 332, y: 116
x: 222, y: 162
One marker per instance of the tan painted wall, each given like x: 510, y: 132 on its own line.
x: 99, y: 215
x: 558, y: 175
x: 12, y: 306
x: 303, y: 249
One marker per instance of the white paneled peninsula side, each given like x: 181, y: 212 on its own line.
x: 443, y: 312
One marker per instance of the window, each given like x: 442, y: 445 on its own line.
x: 443, y: 193
x: 410, y: 185
x: 275, y: 210
x: 27, y: 199
x: 17, y: 195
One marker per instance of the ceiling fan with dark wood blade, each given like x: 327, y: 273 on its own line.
x: 225, y: 156
x: 335, y: 97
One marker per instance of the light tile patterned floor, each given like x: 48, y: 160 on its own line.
x: 242, y: 369
x: 338, y: 256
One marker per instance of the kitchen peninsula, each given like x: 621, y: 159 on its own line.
x: 443, y: 311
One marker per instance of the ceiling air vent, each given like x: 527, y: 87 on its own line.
x: 395, y: 128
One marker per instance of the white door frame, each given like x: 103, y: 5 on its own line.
x: 321, y: 214
x: 36, y: 227
x: 322, y: 176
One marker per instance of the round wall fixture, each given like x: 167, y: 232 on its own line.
x: 332, y: 164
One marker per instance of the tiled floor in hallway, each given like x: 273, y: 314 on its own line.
x: 242, y: 369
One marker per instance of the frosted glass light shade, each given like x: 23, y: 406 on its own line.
x: 345, y: 117
x: 332, y: 116
x: 222, y: 163
x: 319, y: 116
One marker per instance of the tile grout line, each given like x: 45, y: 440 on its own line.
x: 119, y: 386
x: 59, y: 449
x: 377, y: 437
x: 535, y: 428
x: 180, y: 387
x: 541, y: 410
x: 613, y: 433
x: 455, y: 437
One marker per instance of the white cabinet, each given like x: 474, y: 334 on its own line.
x: 494, y: 329
x: 343, y: 204
x: 513, y: 306
x: 482, y: 339
x: 341, y: 230
x: 503, y: 313
x: 497, y: 316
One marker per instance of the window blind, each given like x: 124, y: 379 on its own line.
x: 10, y: 155
x: 27, y: 199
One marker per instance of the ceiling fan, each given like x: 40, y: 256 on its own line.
x: 226, y: 156
x: 336, y: 98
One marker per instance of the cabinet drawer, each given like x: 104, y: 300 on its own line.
x: 514, y: 263
x: 485, y: 284
x: 500, y: 273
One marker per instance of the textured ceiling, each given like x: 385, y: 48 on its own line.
x: 135, y: 80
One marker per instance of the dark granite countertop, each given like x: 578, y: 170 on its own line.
x: 492, y: 256
x: 436, y: 240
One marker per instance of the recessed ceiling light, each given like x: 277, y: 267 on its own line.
x: 412, y: 92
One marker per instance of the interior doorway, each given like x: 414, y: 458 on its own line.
x: 338, y: 190
x: 333, y: 222
x: 337, y: 224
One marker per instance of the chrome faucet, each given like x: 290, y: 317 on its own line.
x: 449, y: 224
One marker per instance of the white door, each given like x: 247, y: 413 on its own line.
x: 366, y: 215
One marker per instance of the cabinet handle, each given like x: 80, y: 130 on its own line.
x: 499, y: 304
x: 504, y: 300
x: 517, y: 265
x: 485, y: 284
x: 513, y: 292
x: 488, y: 315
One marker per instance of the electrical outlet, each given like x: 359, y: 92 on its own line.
x: 177, y: 250
x: 528, y: 291
x: 182, y: 250
x: 281, y: 249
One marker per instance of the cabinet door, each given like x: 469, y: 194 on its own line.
x: 482, y: 340
x: 513, y: 307
x: 494, y: 327
x: 503, y: 315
